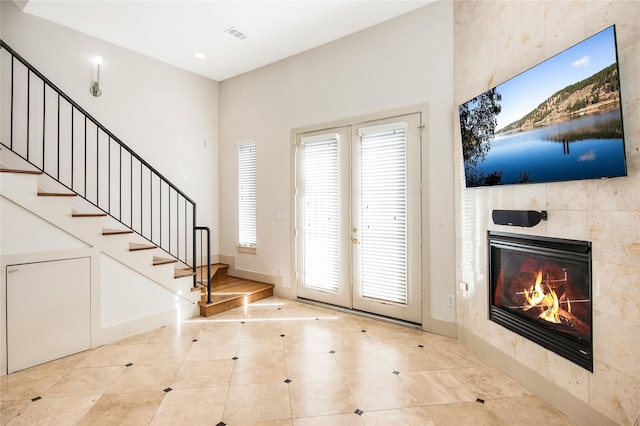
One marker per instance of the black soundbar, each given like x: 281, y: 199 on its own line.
x: 526, y: 218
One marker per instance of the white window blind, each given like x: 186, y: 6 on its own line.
x: 384, y: 213
x: 321, y: 210
x: 247, y: 194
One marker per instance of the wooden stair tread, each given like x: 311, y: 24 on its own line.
x: 138, y: 247
x: 240, y: 293
x: 88, y: 214
x: 201, y: 271
x: 181, y: 273
x: 42, y: 193
x: 157, y: 260
x: 107, y: 231
x: 20, y: 171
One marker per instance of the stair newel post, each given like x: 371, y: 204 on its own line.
x: 195, y: 257
x: 205, y: 228
x: 208, y: 266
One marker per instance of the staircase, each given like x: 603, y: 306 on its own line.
x: 227, y: 292
x: 81, y: 178
x: 35, y: 192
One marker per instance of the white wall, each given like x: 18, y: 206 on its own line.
x: 493, y: 42
x: 403, y: 62
x: 163, y: 113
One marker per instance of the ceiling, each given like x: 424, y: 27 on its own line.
x: 174, y: 31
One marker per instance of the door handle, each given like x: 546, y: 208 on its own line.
x: 355, y: 241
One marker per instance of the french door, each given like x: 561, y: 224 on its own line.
x: 358, y: 230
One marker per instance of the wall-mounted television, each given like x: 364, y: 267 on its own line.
x: 560, y: 120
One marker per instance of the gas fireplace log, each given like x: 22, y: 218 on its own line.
x: 574, y: 322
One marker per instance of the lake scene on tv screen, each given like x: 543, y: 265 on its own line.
x: 560, y: 120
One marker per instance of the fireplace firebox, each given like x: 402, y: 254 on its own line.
x: 541, y: 289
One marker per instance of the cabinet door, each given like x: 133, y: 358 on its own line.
x: 48, y: 311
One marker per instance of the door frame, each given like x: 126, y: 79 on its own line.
x: 423, y: 109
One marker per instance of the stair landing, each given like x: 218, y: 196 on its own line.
x: 231, y: 292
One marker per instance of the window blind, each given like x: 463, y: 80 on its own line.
x: 384, y: 214
x: 247, y: 194
x: 321, y: 212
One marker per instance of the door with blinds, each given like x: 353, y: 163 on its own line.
x: 358, y: 217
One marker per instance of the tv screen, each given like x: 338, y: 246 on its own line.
x: 560, y: 120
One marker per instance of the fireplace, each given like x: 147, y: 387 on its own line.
x: 541, y: 289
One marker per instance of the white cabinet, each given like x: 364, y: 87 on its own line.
x: 48, y: 311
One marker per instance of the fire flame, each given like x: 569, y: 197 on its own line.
x: 548, y: 301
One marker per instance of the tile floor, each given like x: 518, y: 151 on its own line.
x: 275, y: 362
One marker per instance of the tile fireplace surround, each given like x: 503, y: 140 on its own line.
x: 493, y: 42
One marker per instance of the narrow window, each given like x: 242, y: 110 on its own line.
x: 247, y: 194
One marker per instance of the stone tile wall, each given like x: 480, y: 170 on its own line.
x: 493, y: 42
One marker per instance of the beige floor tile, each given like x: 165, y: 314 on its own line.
x: 341, y: 419
x: 355, y: 363
x: 351, y: 341
x: 183, y: 332
x: 214, y: 332
x: 397, y: 336
x: 287, y: 422
x: 166, y: 351
x: 414, y: 358
x: 29, y: 383
x: 304, y: 328
x: 260, y: 402
x: 519, y: 411
x: 253, y: 329
x: 55, y: 411
x: 84, y: 381
x: 146, y: 377
x: 308, y: 344
x: 201, y: 374
x: 380, y: 392
x: 308, y: 367
x: 260, y: 346
x: 207, y: 407
x: 10, y: 409
x: 453, y: 354
x: 203, y: 351
x: 341, y: 323
x: 320, y: 398
x: 415, y: 416
x: 437, y: 387
x: 488, y: 382
x: 138, y: 339
x: 270, y: 368
x: 466, y: 413
x: 66, y: 363
x: 110, y: 355
x: 130, y: 409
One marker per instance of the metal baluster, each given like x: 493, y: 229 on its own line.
x: 97, y: 166
x: 58, y: 156
x: 44, y: 122
x: 28, y: 108
x: 131, y: 189
x: 120, y: 185
x: 12, y: 102
x: 73, y: 131
x: 85, y: 156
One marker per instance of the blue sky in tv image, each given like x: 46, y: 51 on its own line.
x: 524, y: 92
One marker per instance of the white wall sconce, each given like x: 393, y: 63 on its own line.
x: 95, y: 87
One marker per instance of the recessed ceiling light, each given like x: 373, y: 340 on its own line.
x: 200, y: 55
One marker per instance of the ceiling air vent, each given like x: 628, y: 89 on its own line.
x: 237, y: 34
